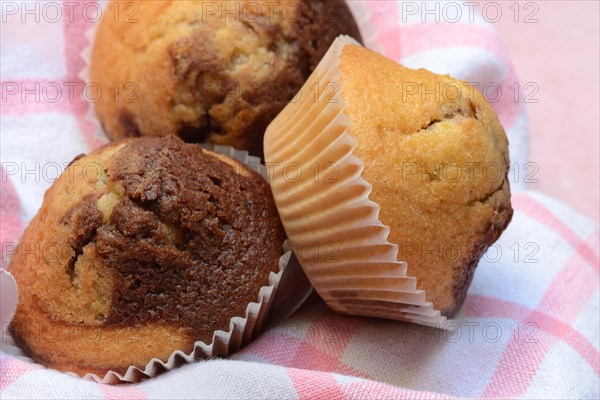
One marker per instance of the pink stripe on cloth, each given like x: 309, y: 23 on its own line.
x: 321, y: 347
x: 567, y: 334
x: 527, y: 357
x: 310, y: 357
x: 12, y: 369
x: 489, y: 307
x: 517, y: 368
x: 324, y: 345
x: 274, y: 346
x: 312, y: 385
x: 122, y: 392
x: 29, y: 96
x: 561, y: 300
x: 385, y: 17
x: 332, y: 333
x: 279, y: 344
x: 322, y: 385
x: 376, y: 390
x: 539, y: 212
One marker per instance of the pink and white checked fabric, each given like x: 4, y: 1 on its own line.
x: 529, y: 327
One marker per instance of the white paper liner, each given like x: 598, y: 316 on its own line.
x: 363, y: 276
x: 86, y: 54
x: 363, y: 16
x: 241, y: 329
x: 10, y: 295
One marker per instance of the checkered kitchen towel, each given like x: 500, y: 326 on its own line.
x: 529, y: 327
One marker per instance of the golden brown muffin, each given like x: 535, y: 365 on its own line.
x: 432, y: 165
x: 141, y: 248
x: 217, y: 71
x: 438, y: 167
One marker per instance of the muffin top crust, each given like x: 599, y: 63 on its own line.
x: 437, y: 158
x: 218, y: 71
x: 153, y: 230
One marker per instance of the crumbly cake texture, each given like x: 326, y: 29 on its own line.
x: 217, y: 71
x: 141, y: 248
x: 437, y: 157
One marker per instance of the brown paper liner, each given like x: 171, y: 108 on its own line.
x: 333, y: 226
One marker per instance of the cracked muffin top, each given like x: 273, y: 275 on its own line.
x: 216, y: 71
x: 437, y: 158
x: 148, y: 232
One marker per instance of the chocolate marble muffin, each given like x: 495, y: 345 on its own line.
x: 216, y: 71
x: 141, y: 248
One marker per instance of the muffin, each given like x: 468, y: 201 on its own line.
x: 208, y: 71
x: 141, y: 248
x: 393, y: 184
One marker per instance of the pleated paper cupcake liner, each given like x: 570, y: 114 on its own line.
x: 324, y: 204
x: 97, y: 136
x: 10, y: 294
x: 364, y: 19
